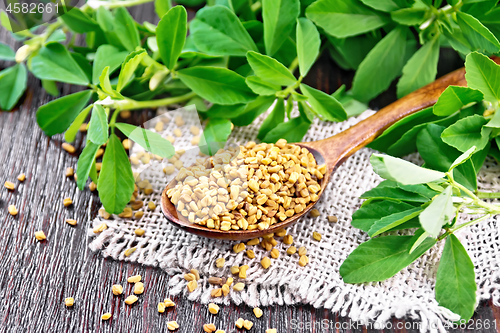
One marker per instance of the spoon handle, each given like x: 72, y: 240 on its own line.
x: 339, y: 147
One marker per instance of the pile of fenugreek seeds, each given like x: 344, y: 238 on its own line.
x: 249, y: 188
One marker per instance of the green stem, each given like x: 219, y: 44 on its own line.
x: 488, y: 195
x: 293, y: 66
x: 256, y: 6
x: 125, y: 3
x: 469, y: 223
x: 112, y: 122
x: 130, y: 104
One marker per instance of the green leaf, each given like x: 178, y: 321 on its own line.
x: 50, y: 87
x: 253, y: 110
x: 467, y: 132
x: 308, y: 43
x: 292, y: 131
x: 440, y: 156
x: 382, y: 65
x: 85, y: 162
x: 324, y: 105
x: 217, y: 85
x: 381, y: 258
x: 455, y: 279
x: 421, y: 69
x: 149, y: 140
x: 389, y: 222
x: 54, y: 62
x: 73, y: 129
x: 78, y: 21
x: 477, y: 34
x: 171, y: 35
x: 126, y: 29
x: 350, y: 52
x: 382, y: 5
x: 162, y: 7
x: 482, y: 74
x: 6, y: 53
x: 106, y: 83
x: 261, y: 87
x: 218, y: 31
x: 12, y: 85
x: 374, y: 210
x: 56, y: 116
x: 129, y: 66
x: 116, y: 181
x: 344, y: 18
x: 279, y: 17
x: 454, y: 98
x: 270, y: 70
x: 464, y: 157
x: 214, y: 136
x: 393, y: 191
x: 106, y: 55
x: 225, y: 111
x: 277, y: 116
x: 438, y: 213
x: 98, y: 126
x: 410, y: 16
x: 402, y: 171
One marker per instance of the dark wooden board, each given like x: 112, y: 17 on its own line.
x: 35, y: 277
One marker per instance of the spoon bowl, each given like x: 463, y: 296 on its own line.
x: 332, y: 151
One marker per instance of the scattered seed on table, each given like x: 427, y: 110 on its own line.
x: 275, y: 253
x: 151, y: 205
x: 314, y: 213
x: 265, y: 262
x: 138, y: 215
x: 250, y: 254
x: 126, y: 144
x: 125, y: 114
x: 280, y: 233
x: 257, y: 312
x: 229, y: 281
x: 172, y: 325
x: 168, y: 303
x: 69, y: 301
x: 291, y: 250
x: 131, y: 299
x: 170, y: 138
x: 237, y: 248
x: 139, y: 231
x: 304, y: 260
x: 100, y: 228
x: 213, y: 308
x: 217, y: 292
x: 127, y: 213
x: 161, y: 307
x: 220, y: 262
x: 149, y: 189
x: 192, y: 285
x: 209, y: 328
x: 40, y: 235
x: 129, y: 251
x: 98, y: 154
x: 70, y: 172
x: 67, y: 202
x: 134, y: 278
x: 69, y: 148
x: 134, y: 160
x: 106, y: 316
x: 92, y: 186
x: 235, y: 269
x: 239, y: 286
x: 195, y: 140
x: 302, y: 251
x: 71, y: 222
x: 169, y: 169
x: 145, y: 159
x: 159, y: 126
x: 189, y: 277
x: 137, y: 204
x: 317, y: 236
x: 179, y: 121
x: 12, y: 210
x: 220, y: 331
x: 254, y: 241
x: 21, y: 177
x: 195, y: 130
x: 271, y: 330
x: 10, y: 185
x: 239, y: 323
x: 138, y: 288
x: 288, y: 239
x: 243, y: 271
x: 83, y: 128
x: 104, y: 214
x: 247, y: 324
x: 117, y: 289
x: 214, y: 280
x: 178, y: 164
x: 332, y: 219
x: 177, y: 132
x: 196, y: 274
x: 225, y: 289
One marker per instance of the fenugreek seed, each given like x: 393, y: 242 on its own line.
x: 126, y: 144
x: 10, y: 185
x: 229, y: 281
x: 67, y: 202
x: 291, y: 250
x: 317, y: 236
x: 138, y: 215
x: 177, y: 132
x: 302, y: 251
x: 214, y: 280
x: 220, y: 262
x: 92, y: 186
x: 237, y: 248
x: 137, y: 204
x: 192, y: 285
x: 106, y: 316
x: 129, y: 251
x: 138, y: 288
x: 254, y: 241
x: 70, y: 172
x: 134, y: 160
x: 159, y: 126
x: 288, y: 239
x: 213, y: 308
x: 314, y: 213
x: 179, y: 121
x: 83, y: 128
x: 100, y: 228
x: 303, y: 260
x: 125, y: 114
x: 104, y: 214
x: 280, y: 233
x: 69, y: 148
x: 98, y: 154
x: 332, y: 219
x: 271, y: 330
x: 189, y: 277
x: 195, y: 140
x: 225, y: 289
x: 69, y: 301
x: 217, y: 292
x: 172, y: 325
x: 220, y: 331
x: 265, y: 262
x: 168, y: 303
x: 239, y: 286
x: 195, y: 130
x: 21, y: 177
x: 235, y: 269
x: 161, y: 307
x: 139, y: 231
x: 134, y: 278
x: 209, y: 328
x: 243, y: 272
x: 239, y: 323
x: 257, y: 312
x: 12, y: 210
x: 71, y: 222
x: 169, y: 169
x: 40, y: 235
x: 195, y: 273
x: 275, y: 253
x: 117, y: 289
x: 247, y: 324
x: 131, y: 299
x: 250, y: 254
x: 151, y: 205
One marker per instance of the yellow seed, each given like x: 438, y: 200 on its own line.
x: 126, y: 144
x: 125, y: 114
x: 138, y: 215
x: 134, y: 279
x: 177, y: 132
x: 10, y: 185
x: 265, y: 262
x: 21, y: 177
x: 92, y: 186
x: 172, y: 325
x: 70, y: 172
x: 171, y: 139
x: 129, y: 251
x: 159, y: 126
x: 275, y: 253
x: 247, y: 324
x: 134, y: 160
x: 106, y: 316
x: 254, y: 241
x: 131, y: 299
x: 314, y: 213
x: 83, y: 128
x: 220, y: 331
x: 117, y: 289
x: 195, y: 140
x: 192, y: 285
x: 250, y: 254
x: 139, y: 231
x: 100, y: 228
x: 288, y: 239
x: 271, y: 330
x: 257, y: 312
x: 12, y: 210
x: 104, y: 214
x: 291, y: 250
x: 179, y: 121
x: 220, y: 262
x: 138, y: 288
x: 243, y: 272
x: 239, y: 323
x: 217, y: 292
x: 235, y: 269
x: 168, y: 303
x: 71, y: 222
x: 195, y: 273
x: 304, y: 260
x: 151, y: 205
x: 69, y: 301
x: 209, y: 328
x: 69, y: 148
x: 239, y: 286
x: 317, y: 236
x: 280, y: 233
x: 229, y: 281
x: 189, y: 277
x: 237, y: 248
x: 225, y: 289
x: 195, y: 130
x: 169, y: 169
x: 67, y: 202
x: 332, y: 219
x: 302, y: 251
x: 40, y: 235
x: 213, y: 308
x: 161, y: 307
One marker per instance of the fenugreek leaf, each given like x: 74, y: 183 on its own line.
x: 455, y: 279
x: 162, y: 7
x: 253, y: 110
x: 454, y: 98
x: 467, y: 132
x: 270, y: 70
x: 464, y: 157
x: 171, y: 35
x: 324, y: 105
x: 308, y: 43
x: 385, y: 5
x: 479, y: 37
x: 149, y: 140
x: 78, y: 21
x: 126, y: 29
x: 85, y: 162
x: 72, y: 130
x: 410, y: 16
x: 391, y: 221
x: 6, y: 53
x: 373, y: 210
x: 12, y: 85
x: 56, y: 116
x: 391, y: 190
x: 279, y: 18
x: 106, y: 55
x: 128, y: 68
x: 98, y: 125
x: 261, y: 87
x: 438, y: 213
x: 214, y: 136
x: 116, y: 181
x: 482, y: 74
x: 292, y: 130
x: 277, y: 116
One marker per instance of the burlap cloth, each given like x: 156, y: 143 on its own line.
x: 409, y: 293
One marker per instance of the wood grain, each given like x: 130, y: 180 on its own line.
x: 35, y: 277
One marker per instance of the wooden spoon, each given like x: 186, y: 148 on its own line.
x: 333, y: 151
